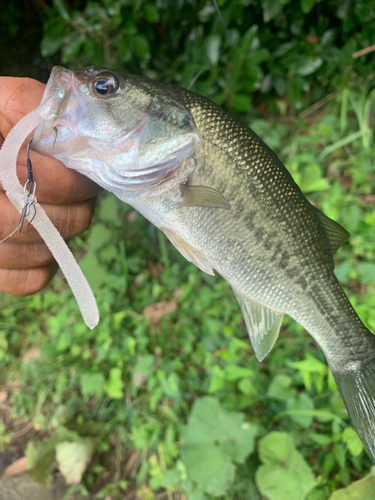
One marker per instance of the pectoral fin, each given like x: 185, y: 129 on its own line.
x: 202, y: 196
x: 263, y: 324
x: 189, y: 252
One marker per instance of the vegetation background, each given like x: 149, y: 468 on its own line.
x: 165, y: 399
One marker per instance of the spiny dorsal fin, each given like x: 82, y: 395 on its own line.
x: 335, y: 233
x: 202, y: 196
x: 189, y: 252
x: 263, y: 324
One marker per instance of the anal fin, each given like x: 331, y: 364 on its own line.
x: 263, y: 324
x: 190, y: 253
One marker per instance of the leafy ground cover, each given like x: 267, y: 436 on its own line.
x: 165, y: 399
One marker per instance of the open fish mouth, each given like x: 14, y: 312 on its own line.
x: 121, y: 151
x: 60, y: 111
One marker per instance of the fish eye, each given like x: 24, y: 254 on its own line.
x: 105, y: 85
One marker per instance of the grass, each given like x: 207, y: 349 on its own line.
x: 133, y: 392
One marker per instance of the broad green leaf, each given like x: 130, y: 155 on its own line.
x: 73, y: 458
x: 285, y: 474
x: 208, y: 466
x: 364, y: 489
x: 213, y: 439
x: 280, y: 387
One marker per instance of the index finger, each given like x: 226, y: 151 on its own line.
x: 56, y: 183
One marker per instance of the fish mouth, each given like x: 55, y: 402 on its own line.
x: 60, y: 111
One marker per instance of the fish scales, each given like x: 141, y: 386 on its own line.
x: 225, y: 201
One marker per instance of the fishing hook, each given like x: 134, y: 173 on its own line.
x: 54, y: 141
x: 29, y: 199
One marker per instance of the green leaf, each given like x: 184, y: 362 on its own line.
x: 95, y: 273
x: 208, y: 466
x: 54, y: 32
x: 354, y: 444
x: 92, y: 384
x: 271, y: 9
x: 140, y: 45
x: 109, y: 210
x: 235, y: 372
x: 364, y: 489
x: 72, y: 48
x: 307, y: 5
x: 280, y: 387
x: 241, y: 103
x: 304, y: 66
x: 73, y: 458
x: 301, y: 402
x: 312, y: 179
x: 151, y: 13
x: 366, y: 271
x: 285, y: 474
x: 113, y: 386
x: 99, y: 236
x: 62, y: 9
x: 213, y: 48
x: 213, y: 439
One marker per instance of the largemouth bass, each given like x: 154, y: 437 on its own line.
x: 224, y: 200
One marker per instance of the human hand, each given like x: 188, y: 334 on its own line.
x: 26, y: 264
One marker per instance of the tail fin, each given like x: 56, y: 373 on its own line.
x: 356, y: 383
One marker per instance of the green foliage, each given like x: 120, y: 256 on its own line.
x: 183, y: 407
x: 362, y: 489
x: 285, y: 474
x: 225, y: 50
x: 211, y: 442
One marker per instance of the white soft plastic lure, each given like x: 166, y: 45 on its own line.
x: 15, y: 192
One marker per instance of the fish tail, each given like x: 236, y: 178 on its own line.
x: 356, y: 383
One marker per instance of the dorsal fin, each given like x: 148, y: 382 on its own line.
x: 263, y: 324
x: 335, y: 233
x: 190, y: 253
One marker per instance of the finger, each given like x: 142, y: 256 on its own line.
x: 56, y: 183
x: 70, y: 220
x: 18, y: 96
x: 26, y: 256
x: 22, y: 282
